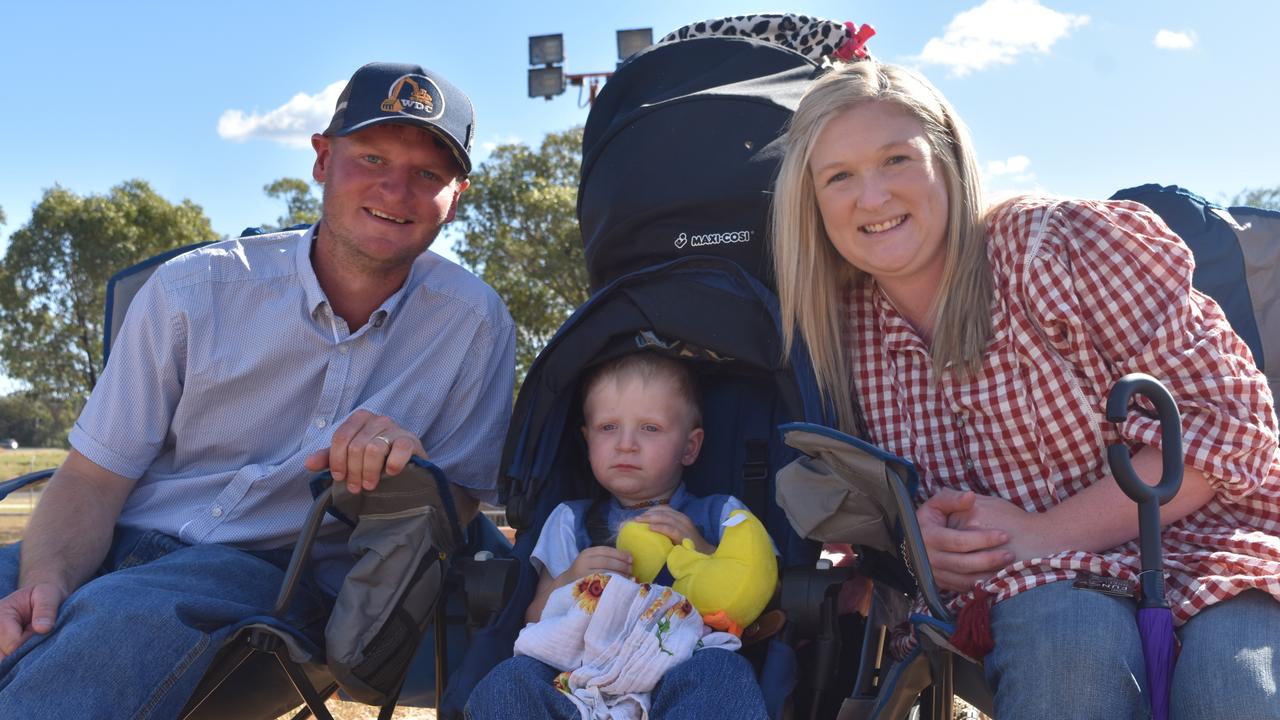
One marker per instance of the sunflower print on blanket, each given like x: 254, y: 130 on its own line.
x: 588, y: 590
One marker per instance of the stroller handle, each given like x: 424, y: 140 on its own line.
x: 1148, y: 497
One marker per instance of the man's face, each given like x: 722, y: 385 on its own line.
x: 388, y: 189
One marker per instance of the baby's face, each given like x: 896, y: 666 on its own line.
x: 639, y: 437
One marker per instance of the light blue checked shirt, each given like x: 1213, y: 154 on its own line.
x: 231, y: 369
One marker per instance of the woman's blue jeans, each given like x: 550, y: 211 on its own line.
x: 134, y: 641
x: 1063, y: 652
x: 713, y: 684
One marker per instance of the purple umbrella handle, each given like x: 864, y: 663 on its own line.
x: 1148, y: 497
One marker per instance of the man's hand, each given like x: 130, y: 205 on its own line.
x: 28, y: 611
x: 961, y: 555
x: 675, y: 525
x: 363, y: 448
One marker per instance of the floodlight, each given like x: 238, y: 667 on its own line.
x: 545, y: 82
x: 546, y: 49
x: 631, y: 42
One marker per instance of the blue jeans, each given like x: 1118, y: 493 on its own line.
x: 713, y: 684
x: 1066, y: 653
x: 134, y: 641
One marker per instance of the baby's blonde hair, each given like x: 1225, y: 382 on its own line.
x: 647, y: 366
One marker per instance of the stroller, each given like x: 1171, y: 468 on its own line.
x: 679, y: 155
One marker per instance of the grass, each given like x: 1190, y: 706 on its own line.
x: 15, y: 509
x: 24, y: 460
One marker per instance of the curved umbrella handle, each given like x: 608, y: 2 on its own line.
x: 1148, y: 497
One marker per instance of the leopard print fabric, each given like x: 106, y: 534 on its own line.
x: 812, y: 37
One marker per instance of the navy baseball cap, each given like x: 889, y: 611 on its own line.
x: 409, y: 95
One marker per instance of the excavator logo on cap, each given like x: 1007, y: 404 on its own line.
x: 415, y: 95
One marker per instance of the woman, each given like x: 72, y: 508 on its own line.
x: 982, y: 346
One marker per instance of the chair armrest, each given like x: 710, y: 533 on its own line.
x: 487, y: 585
x: 805, y: 591
x: 913, y: 548
x: 8, y: 486
x: 302, y: 551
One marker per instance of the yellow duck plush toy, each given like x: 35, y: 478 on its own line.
x: 730, y: 587
x: 648, y: 549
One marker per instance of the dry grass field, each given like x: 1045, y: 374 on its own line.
x: 356, y: 711
x: 15, y: 509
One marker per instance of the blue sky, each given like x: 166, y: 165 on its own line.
x: 211, y: 101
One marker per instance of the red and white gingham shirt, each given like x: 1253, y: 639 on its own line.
x: 1085, y: 292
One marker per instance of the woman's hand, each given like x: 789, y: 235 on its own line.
x: 962, y: 552
x: 675, y: 525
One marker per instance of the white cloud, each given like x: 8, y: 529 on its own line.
x: 1015, y: 165
x: 1006, y: 178
x: 290, y: 124
x: 1173, y: 40
x: 488, y: 146
x: 996, y: 33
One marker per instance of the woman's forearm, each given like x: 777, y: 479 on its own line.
x: 1101, y: 516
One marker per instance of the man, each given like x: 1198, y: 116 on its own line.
x: 243, y: 369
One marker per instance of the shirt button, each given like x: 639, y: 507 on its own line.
x: 960, y: 419
x: 343, y: 349
x: 968, y: 464
x: 216, y: 511
x: 320, y: 422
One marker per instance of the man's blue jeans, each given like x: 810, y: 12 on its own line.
x: 1062, y: 652
x: 134, y: 641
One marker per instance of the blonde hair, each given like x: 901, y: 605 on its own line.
x: 811, y: 275
x: 647, y: 366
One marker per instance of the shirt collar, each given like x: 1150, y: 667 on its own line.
x: 316, y: 297
x: 897, y: 333
x: 306, y: 273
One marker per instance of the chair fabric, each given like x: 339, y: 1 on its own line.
x: 403, y: 533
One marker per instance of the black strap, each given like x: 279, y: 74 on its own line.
x: 597, y: 523
x: 755, y: 471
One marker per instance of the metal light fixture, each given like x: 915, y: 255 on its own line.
x: 546, y: 82
x: 631, y: 42
x: 546, y: 49
x: 551, y: 79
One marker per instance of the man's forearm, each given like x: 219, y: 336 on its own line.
x: 71, y: 529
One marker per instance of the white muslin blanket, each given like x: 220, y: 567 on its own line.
x: 614, y: 638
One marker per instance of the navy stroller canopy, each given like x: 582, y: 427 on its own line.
x: 680, y: 151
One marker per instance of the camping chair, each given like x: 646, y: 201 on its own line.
x: 871, y: 506
x: 268, y: 668
x: 1237, y: 253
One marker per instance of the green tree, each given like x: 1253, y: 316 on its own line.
x: 1265, y: 198
x: 303, y: 207
x: 33, y: 422
x: 520, y: 233
x: 54, y: 276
